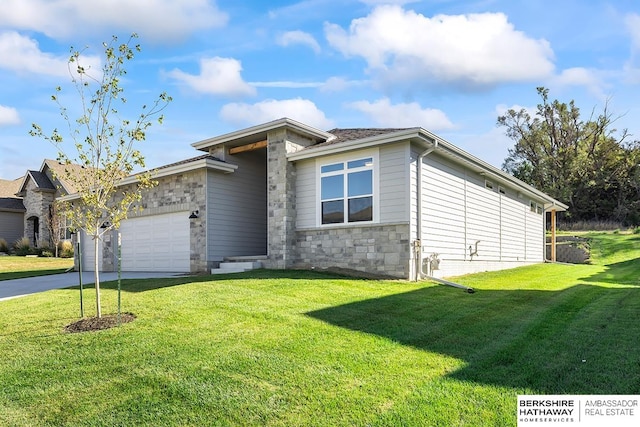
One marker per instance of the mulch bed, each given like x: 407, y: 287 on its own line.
x: 99, y: 323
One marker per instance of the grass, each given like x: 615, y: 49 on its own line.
x: 305, y: 348
x: 18, y: 267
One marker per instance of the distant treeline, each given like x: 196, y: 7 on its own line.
x: 585, y: 163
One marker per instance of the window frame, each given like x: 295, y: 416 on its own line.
x: 345, y: 159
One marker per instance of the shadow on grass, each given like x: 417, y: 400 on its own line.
x: 581, y: 340
x: 622, y: 273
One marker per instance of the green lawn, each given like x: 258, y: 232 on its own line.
x: 17, y: 267
x: 307, y: 348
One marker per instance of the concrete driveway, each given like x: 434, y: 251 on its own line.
x: 31, y: 285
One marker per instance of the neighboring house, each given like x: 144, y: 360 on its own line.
x: 25, y: 203
x: 400, y: 202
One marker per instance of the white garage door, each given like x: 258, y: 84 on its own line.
x: 87, y: 247
x: 156, y: 243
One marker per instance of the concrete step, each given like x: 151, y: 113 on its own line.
x: 236, y: 267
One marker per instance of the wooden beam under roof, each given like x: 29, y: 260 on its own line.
x: 248, y: 147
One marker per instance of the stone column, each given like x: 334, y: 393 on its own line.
x: 281, y: 198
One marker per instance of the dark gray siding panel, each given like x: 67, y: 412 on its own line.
x: 237, y: 208
x: 11, y: 226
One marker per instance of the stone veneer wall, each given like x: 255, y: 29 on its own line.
x: 380, y: 249
x: 36, y: 203
x: 281, y: 206
x: 174, y: 193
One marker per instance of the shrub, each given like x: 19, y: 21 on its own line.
x: 636, y: 230
x: 65, y: 249
x: 22, y: 246
x: 4, y: 247
x: 46, y: 253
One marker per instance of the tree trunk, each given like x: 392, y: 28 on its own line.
x: 96, y: 244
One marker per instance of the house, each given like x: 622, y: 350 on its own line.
x: 25, y: 202
x: 399, y: 202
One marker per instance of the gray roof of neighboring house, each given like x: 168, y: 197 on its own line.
x: 41, y: 180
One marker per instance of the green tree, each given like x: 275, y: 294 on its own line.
x: 585, y: 163
x: 105, y: 145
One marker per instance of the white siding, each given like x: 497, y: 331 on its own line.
x: 483, y: 220
x: 392, y: 184
x: 237, y: 208
x: 514, y: 234
x: 443, y: 209
x: 306, y: 200
x: 458, y: 210
x: 535, y: 236
x: 394, y: 177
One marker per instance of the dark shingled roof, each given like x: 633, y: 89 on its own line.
x: 345, y: 135
x: 41, y: 180
x: 12, y: 204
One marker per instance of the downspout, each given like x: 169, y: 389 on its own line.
x: 418, y: 243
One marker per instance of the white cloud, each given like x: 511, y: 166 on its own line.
x: 387, y: 2
x: 466, y: 50
x: 21, y: 54
x: 579, y: 76
x: 218, y: 76
x: 160, y: 20
x: 299, y: 37
x: 501, y: 109
x: 9, y: 116
x: 340, y: 84
x: 298, y: 109
x: 385, y: 114
x: 632, y: 21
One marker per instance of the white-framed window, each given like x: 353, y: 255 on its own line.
x: 488, y: 185
x: 536, y: 208
x: 347, y: 189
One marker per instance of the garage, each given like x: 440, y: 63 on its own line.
x: 156, y: 243
x: 149, y: 243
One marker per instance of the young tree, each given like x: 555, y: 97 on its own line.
x: 105, y: 145
x: 54, y: 225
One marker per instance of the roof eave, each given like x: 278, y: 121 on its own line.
x: 499, y: 175
x: 387, y: 138
x: 427, y: 139
x: 263, y: 128
x: 180, y: 168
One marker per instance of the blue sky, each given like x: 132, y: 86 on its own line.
x: 448, y: 66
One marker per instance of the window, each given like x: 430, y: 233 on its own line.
x: 346, y: 191
x: 536, y: 208
x: 501, y: 190
x: 488, y: 185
